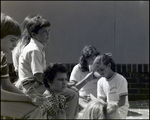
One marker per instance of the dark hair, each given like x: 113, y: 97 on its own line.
x: 105, y: 59
x: 50, y: 72
x: 37, y: 23
x: 25, y: 35
x: 9, y: 26
x: 87, y: 52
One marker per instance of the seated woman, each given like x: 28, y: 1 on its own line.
x: 55, y: 81
x: 80, y: 73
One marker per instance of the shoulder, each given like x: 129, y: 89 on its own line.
x: 31, y: 46
x: 120, y: 77
x: 76, y: 68
x: 101, y: 80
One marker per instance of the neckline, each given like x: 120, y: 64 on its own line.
x: 109, y: 79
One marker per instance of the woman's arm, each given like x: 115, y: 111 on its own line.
x: 85, y: 80
x: 121, y: 101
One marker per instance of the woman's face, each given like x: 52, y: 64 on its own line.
x: 60, y: 82
x: 8, y: 43
x: 103, y: 70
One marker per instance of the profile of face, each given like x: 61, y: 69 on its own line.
x: 8, y: 43
x: 43, y: 35
x: 59, y: 84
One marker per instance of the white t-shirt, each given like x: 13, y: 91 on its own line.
x: 112, y: 89
x: 32, y: 60
x: 78, y: 75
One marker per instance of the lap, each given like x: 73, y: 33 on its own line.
x: 16, y: 109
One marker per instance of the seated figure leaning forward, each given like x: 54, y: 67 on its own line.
x: 55, y: 80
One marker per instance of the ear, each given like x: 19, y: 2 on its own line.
x: 33, y: 35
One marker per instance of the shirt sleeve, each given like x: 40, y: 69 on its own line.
x: 100, y: 91
x: 36, y: 61
x: 122, y: 87
x: 75, y: 74
x: 4, y: 67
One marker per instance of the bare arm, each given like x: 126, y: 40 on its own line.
x: 85, y: 80
x: 8, y: 86
x: 121, y: 101
x: 39, y: 78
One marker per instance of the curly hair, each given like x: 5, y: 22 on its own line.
x: 87, y: 52
x: 50, y: 72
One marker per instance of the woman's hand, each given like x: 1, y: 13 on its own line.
x: 112, y: 106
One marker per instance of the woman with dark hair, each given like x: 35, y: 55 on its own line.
x: 82, y: 71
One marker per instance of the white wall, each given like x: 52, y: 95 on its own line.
x: 121, y: 28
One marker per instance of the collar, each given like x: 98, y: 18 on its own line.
x: 112, y: 76
x: 37, y: 43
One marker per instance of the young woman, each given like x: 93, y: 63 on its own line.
x: 82, y: 71
x: 111, y: 86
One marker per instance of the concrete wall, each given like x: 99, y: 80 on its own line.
x: 121, y: 28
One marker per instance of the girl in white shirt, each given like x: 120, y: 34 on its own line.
x: 111, y: 86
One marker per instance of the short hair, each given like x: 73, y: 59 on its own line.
x: 9, y: 26
x: 37, y: 23
x: 50, y: 72
x: 105, y: 59
x: 87, y: 52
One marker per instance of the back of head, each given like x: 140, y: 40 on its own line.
x: 36, y: 23
x: 87, y: 52
x: 25, y: 22
x: 50, y: 72
x: 9, y: 26
x: 25, y: 35
x: 94, y: 110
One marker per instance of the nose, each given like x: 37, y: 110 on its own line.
x: 64, y: 82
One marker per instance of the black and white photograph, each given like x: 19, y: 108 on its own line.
x: 74, y: 59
